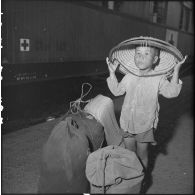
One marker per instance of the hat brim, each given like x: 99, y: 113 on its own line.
x: 124, y: 52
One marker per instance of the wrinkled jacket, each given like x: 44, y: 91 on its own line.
x: 140, y: 108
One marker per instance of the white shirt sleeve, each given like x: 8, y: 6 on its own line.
x: 169, y: 89
x: 117, y: 88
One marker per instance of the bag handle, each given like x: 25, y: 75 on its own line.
x: 105, y: 157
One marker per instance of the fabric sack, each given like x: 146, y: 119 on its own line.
x: 114, y: 169
x: 64, y: 155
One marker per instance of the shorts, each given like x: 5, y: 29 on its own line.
x: 145, y: 137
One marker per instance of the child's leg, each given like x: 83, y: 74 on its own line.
x: 142, y: 152
x: 130, y: 143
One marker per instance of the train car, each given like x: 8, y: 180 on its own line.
x: 52, y: 39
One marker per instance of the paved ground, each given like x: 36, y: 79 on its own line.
x: 171, y: 160
x: 173, y: 167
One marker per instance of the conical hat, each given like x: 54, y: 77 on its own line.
x: 124, y: 52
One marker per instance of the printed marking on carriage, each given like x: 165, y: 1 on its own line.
x: 24, y: 44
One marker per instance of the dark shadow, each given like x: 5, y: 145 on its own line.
x: 32, y: 103
x: 170, y: 111
x: 168, y: 120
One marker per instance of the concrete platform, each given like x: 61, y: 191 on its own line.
x: 171, y: 161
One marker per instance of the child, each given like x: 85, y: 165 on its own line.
x: 147, y: 78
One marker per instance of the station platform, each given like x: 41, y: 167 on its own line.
x: 171, y: 160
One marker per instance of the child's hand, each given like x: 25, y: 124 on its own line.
x: 178, y: 65
x: 112, y: 66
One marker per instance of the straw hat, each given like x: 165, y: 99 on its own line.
x: 124, y: 53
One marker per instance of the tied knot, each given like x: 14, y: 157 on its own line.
x: 75, y: 106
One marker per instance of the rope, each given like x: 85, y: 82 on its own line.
x: 75, y: 105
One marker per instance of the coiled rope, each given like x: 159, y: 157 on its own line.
x: 75, y: 105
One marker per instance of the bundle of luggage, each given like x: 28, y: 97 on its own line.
x: 86, y: 153
x: 114, y: 170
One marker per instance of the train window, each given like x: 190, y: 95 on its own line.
x: 112, y: 5
x: 186, y: 17
x: 159, y: 11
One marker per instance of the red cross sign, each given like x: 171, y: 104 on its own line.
x: 24, y: 44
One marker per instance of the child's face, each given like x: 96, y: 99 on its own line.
x: 145, y: 57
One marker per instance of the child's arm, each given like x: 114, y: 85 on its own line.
x: 175, y: 77
x: 115, y: 87
x: 112, y: 66
x: 172, y: 89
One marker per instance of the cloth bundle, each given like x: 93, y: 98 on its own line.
x: 114, y: 169
x: 64, y: 155
x: 102, y: 108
